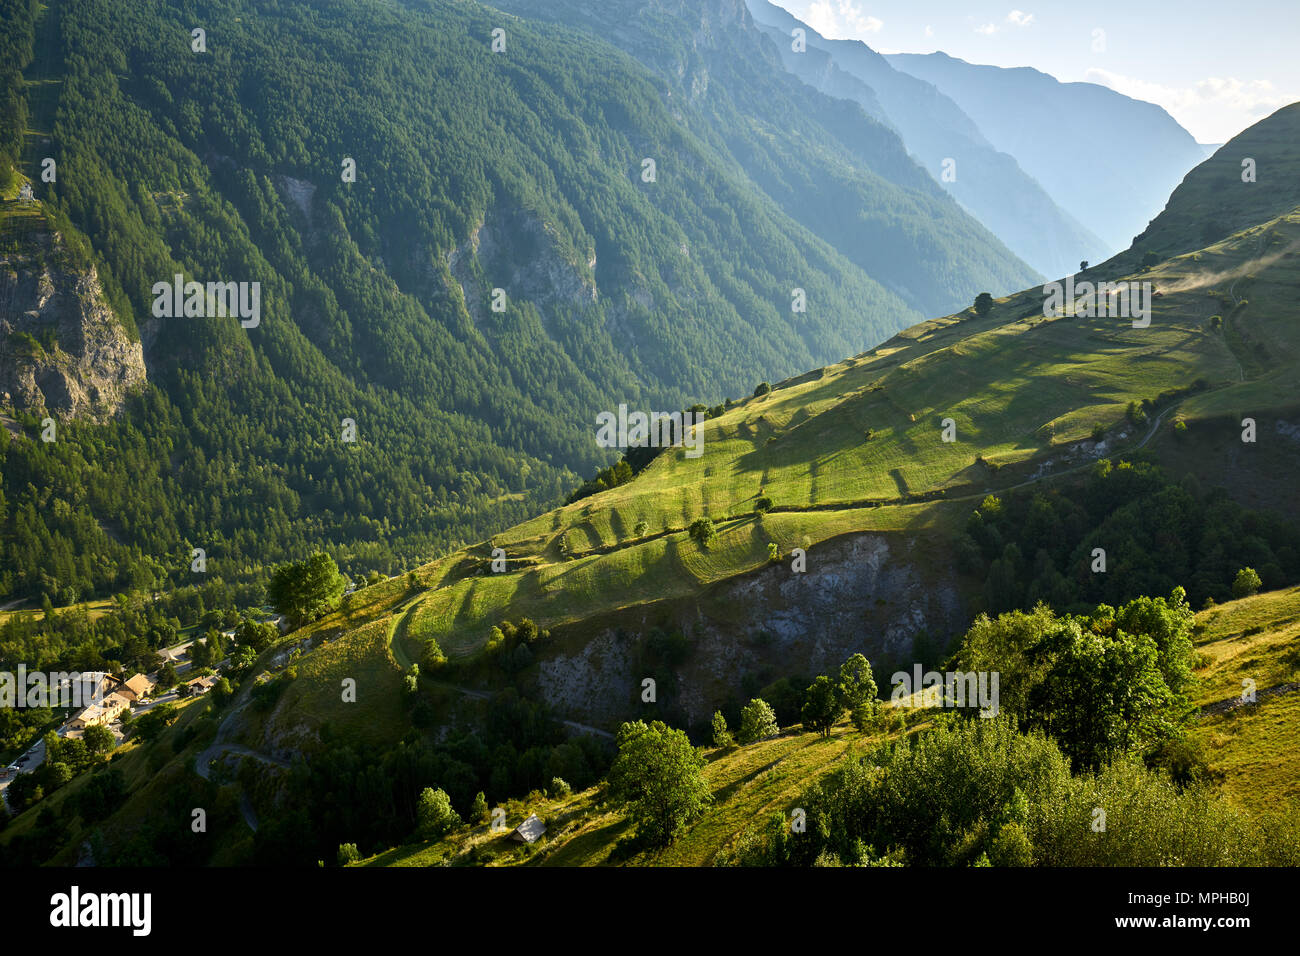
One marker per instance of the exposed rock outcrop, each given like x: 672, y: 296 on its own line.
x: 869, y: 593
x: 62, y: 350
x: 518, y: 252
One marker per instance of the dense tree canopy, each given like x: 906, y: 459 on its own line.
x: 1104, y: 685
x: 304, y: 591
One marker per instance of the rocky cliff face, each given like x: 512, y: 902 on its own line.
x: 62, y: 350
x: 520, y: 253
x: 871, y: 593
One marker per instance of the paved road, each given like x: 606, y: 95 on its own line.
x: 219, y: 746
x: 174, y: 652
x: 203, y: 763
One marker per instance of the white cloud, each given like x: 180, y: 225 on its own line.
x: 1017, y: 18
x: 1213, y: 109
x: 839, y: 19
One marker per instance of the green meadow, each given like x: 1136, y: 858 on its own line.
x: 859, y: 446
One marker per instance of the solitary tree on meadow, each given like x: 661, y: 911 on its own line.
x: 1246, y: 583
x: 821, y: 707
x: 434, y: 814
x: 304, y: 591
x: 757, y: 721
x: 658, y: 776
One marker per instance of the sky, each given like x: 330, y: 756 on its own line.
x: 1216, y: 67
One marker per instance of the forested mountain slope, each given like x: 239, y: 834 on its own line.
x: 831, y: 165
x: 228, y: 157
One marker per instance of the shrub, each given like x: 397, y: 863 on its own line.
x: 1184, y: 759
x: 348, y: 853
x: 1011, y: 847
x: 721, y: 735
x: 432, y: 658
x: 560, y: 787
x: 857, y: 683
x: 478, y: 810
x: 757, y: 721
x: 863, y: 715
x: 1246, y: 583
x: 822, y: 706
x: 702, y: 531
x: 434, y: 814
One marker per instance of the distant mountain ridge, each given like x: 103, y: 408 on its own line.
x: 983, y: 176
x: 1065, y: 134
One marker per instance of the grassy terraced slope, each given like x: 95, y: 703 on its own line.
x: 858, y: 445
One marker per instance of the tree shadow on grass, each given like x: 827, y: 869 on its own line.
x: 586, y: 847
x: 724, y: 794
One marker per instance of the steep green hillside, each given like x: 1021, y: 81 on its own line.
x: 844, y: 175
x: 1252, y: 745
x: 1249, y: 180
x: 475, y: 171
x: 748, y: 783
x: 1250, y: 749
x: 859, y: 445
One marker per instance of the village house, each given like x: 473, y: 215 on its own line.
x: 529, y: 830
x: 137, y: 688
x: 201, y: 685
x: 101, y: 714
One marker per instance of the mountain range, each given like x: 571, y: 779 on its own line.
x: 828, y: 514
x: 478, y: 232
